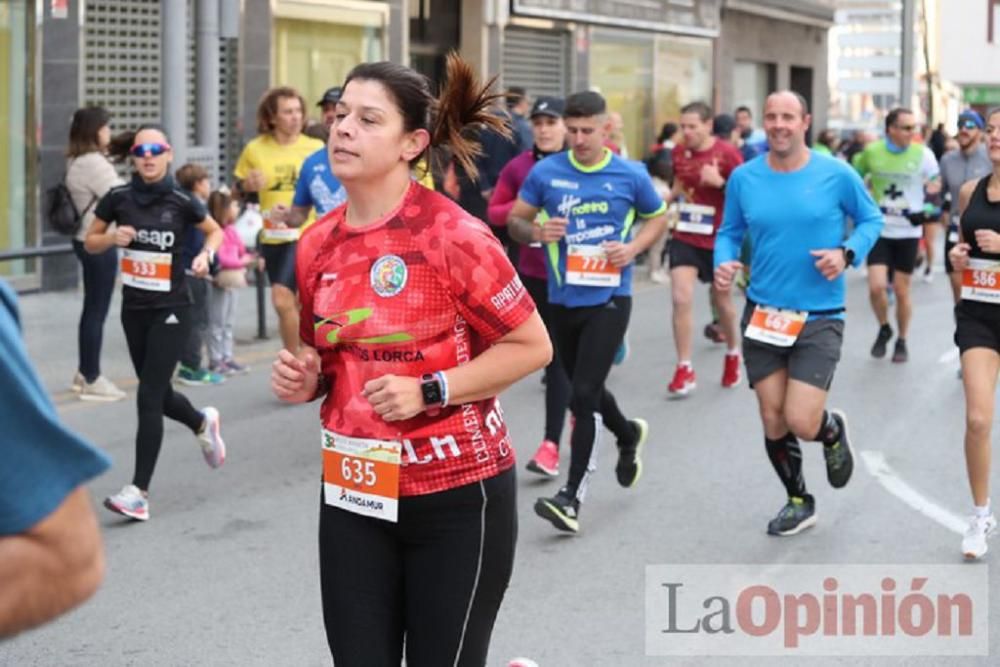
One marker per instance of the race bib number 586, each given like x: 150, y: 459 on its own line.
x: 981, y: 281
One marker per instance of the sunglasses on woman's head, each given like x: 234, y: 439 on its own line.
x: 144, y: 150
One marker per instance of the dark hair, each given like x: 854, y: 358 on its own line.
x: 267, y: 109
x: 745, y: 108
x: 668, y: 130
x: 514, y: 96
x: 83, y: 130
x: 584, y: 105
x: 122, y: 142
x: 317, y: 130
x: 703, y: 110
x: 462, y: 106
x: 218, y: 205
x: 828, y: 138
x: 894, y: 115
x: 189, y: 175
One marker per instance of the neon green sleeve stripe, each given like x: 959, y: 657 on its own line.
x: 629, y: 219
x: 552, y: 248
x: 659, y: 211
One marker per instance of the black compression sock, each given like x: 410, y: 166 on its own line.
x: 829, y: 430
x: 786, y: 457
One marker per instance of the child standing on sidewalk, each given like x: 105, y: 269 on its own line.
x: 233, y: 262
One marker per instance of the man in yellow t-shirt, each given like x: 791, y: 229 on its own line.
x: 269, y: 167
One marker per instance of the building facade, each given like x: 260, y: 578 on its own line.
x: 200, y: 67
x: 768, y: 45
x: 975, y: 67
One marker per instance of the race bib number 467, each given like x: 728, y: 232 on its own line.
x: 361, y: 475
x: 146, y: 270
x: 981, y: 281
x: 588, y: 265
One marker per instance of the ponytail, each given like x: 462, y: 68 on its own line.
x: 461, y: 104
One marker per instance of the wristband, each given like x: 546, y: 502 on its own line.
x: 444, y: 388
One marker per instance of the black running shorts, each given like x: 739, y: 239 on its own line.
x: 977, y: 325
x: 684, y: 254
x: 898, y: 254
x: 279, y: 260
x: 812, y: 359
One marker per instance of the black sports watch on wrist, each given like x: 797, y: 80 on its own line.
x: 430, y: 388
x: 848, y: 255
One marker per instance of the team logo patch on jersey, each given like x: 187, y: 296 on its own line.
x: 388, y: 275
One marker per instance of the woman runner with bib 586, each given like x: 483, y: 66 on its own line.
x: 153, y: 216
x: 412, y: 321
x: 977, y: 332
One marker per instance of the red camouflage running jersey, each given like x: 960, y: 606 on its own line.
x: 426, y: 289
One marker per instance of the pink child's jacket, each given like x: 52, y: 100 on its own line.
x: 232, y: 251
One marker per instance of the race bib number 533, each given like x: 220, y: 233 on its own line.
x: 146, y: 270
x: 361, y: 475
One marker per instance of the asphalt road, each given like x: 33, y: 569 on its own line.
x: 226, y: 573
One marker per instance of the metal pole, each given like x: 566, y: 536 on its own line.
x: 906, y: 57
x: 173, y: 78
x: 261, y: 304
x: 207, y: 80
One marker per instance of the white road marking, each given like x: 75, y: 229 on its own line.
x: 878, y: 467
x: 949, y: 357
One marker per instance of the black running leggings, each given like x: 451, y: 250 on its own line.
x: 433, y: 581
x: 556, y: 382
x: 587, y: 339
x: 155, y: 337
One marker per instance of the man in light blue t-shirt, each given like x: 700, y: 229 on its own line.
x: 51, y: 545
x: 585, y: 202
x: 793, y: 203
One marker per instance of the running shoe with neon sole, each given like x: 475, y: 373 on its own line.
x: 210, y: 438
x: 198, y: 377
x: 629, y: 467
x: 797, y: 515
x: 562, y: 511
x: 129, y: 502
x: 546, y: 459
x: 979, y: 530
x: 731, y: 374
x: 839, y: 456
x: 683, y: 383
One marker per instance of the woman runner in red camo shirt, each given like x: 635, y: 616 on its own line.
x: 412, y: 321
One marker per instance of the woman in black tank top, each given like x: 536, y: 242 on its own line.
x: 977, y: 332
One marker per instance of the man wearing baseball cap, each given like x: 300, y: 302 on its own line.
x: 968, y: 163
x: 329, y: 105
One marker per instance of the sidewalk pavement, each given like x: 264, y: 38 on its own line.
x: 49, y: 321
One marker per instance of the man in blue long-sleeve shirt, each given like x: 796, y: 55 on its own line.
x: 794, y: 204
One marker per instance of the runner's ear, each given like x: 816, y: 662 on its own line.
x: 414, y: 144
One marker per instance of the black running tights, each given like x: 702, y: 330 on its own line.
x: 587, y: 339
x: 433, y: 581
x: 556, y: 382
x: 155, y: 337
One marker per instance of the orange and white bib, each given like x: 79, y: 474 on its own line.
x: 588, y: 265
x: 273, y: 232
x: 145, y: 270
x: 981, y: 281
x: 775, y: 326
x: 362, y: 475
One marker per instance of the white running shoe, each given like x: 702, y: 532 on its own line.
x: 129, y: 502
x: 101, y: 389
x: 980, y: 528
x: 78, y: 381
x: 210, y: 438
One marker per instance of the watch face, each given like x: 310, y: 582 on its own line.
x: 431, y: 390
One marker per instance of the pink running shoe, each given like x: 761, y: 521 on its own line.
x: 546, y: 459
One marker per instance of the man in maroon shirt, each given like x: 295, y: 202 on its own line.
x: 702, y: 164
